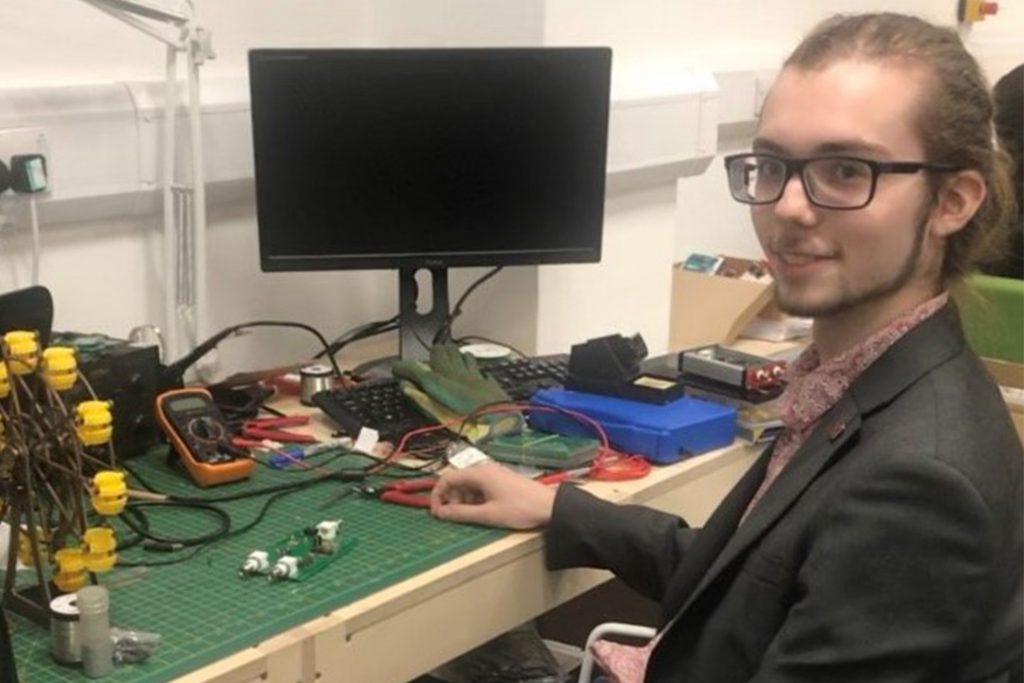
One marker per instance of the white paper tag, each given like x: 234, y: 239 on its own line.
x: 467, y: 457
x: 367, y: 440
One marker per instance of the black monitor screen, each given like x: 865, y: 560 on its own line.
x: 408, y: 158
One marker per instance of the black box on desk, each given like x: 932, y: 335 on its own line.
x: 125, y: 373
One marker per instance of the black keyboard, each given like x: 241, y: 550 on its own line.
x: 523, y: 376
x: 381, y: 405
x: 375, y: 403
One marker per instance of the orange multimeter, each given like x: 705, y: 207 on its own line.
x: 201, y: 436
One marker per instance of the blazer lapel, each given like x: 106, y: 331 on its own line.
x: 713, y: 536
x: 836, y: 428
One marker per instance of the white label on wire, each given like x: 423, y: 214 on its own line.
x: 467, y: 457
x: 367, y: 440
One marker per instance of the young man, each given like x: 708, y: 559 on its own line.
x: 880, y: 538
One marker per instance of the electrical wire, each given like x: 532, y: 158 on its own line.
x: 262, y: 513
x: 341, y: 474
x: 198, y: 544
x: 609, y: 464
x: 355, y: 334
x: 33, y: 217
x: 421, y: 341
x: 445, y: 333
x: 224, y: 534
x: 174, y: 370
x: 140, y: 525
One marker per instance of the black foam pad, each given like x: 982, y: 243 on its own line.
x: 27, y: 309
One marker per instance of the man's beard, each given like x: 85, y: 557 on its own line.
x: 874, y: 293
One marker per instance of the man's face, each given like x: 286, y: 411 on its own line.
x: 828, y: 261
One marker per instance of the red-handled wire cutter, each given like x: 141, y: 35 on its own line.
x: 575, y: 476
x: 268, y: 428
x: 409, y: 492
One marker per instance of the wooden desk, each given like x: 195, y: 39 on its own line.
x: 408, y: 629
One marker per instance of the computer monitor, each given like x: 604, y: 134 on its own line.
x: 428, y: 158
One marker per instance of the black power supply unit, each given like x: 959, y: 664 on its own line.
x: 127, y: 374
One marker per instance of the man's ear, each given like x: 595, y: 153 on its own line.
x: 958, y: 199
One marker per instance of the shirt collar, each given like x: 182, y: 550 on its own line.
x: 814, y: 387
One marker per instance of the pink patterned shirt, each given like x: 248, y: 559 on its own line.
x: 813, y: 387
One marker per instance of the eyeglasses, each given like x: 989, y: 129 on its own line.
x: 831, y: 182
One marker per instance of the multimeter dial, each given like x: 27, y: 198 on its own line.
x: 205, y: 428
x: 199, y: 423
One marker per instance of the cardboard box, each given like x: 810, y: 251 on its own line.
x: 712, y: 309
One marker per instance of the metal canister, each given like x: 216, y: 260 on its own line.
x: 313, y: 379
x: 65, y: 645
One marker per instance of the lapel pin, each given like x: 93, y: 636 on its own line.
x: 836, y: 430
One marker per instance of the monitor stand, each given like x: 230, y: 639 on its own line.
x: 417, y: 331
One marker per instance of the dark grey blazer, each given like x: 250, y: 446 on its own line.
x: 889, y: 549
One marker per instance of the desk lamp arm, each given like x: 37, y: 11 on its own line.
x: 161, y: 21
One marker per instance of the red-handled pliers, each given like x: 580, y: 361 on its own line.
x: 267, y: 428
x: 409, y: 492
x: 575, y: 476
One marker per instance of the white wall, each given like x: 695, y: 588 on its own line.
x: 67, y: 41
x: 654, y: 44
x: 105, y: 274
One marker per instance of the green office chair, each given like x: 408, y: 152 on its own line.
x: 992, y: 309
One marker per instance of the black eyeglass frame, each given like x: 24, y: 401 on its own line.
x: 792, y: 166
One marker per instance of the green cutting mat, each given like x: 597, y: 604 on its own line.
x: 204, y: 611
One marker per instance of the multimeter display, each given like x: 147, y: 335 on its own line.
x: 198, y: 432
x: 187, y: 403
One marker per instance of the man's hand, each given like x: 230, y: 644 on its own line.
x: 492, y: 495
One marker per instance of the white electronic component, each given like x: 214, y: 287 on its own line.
x: 257, y: 563
x: 286, y: 567
x: 327, y: 530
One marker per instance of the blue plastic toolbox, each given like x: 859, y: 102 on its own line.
x: 661, y: 433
